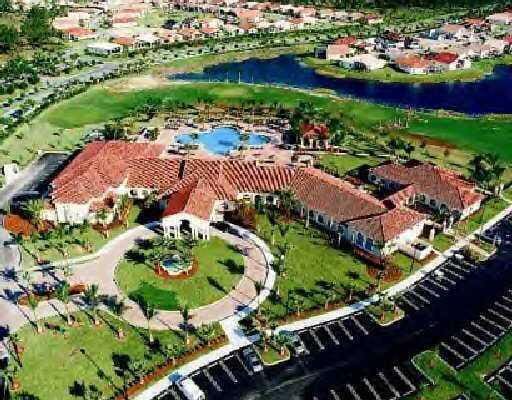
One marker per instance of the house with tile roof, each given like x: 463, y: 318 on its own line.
x: 435, y: 187
x: 193, y: 193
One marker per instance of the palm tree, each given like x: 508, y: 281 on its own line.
x: 92, y: 299
x: 186, y: 317
x: 283, y: 341
x: 139, y: 369
x: 33, y: 303
x: 174, y: 350
x: 33, y: 209
x: 206, y: 333
x: 63, y: 295
x: 149, y: 313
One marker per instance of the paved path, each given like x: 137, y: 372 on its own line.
x: 101, y: 271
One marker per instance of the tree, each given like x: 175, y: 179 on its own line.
x: 149, y: 313
x: 33, y: 209
x: 174, y: 350
x: 206, y: 333
x: 37, y: 26
x: 33, y: 303
x: 92, y: 299
x: 486, y: 170
x: 186, y: 317
x: 258, y: 286
x: 8, y: 38
x: 63, y: 294
x: 282, y: 340
x: 5, y: 6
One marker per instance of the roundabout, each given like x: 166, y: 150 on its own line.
x: 192, y: 273
x: 224, y: 284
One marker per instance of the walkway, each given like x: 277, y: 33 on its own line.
x: 101, y: 271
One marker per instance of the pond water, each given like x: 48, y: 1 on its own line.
x: 222, y: 140
x: 493, y: 94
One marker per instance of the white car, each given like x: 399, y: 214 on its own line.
x: 189, y: 388
x: 252, y: 359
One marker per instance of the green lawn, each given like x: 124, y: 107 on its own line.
x: 215, y: 278
x: 311, y: 262
x: 53, y: 361
x: 32, y: 247
x: 63, y: 125
x: 449, y: 383
x: 340, y: 164
x: 443, y: 242
x: 490, y: 209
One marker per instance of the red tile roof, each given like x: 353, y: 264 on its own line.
x: 385, y: 227
x: 99, y: 167
x: 412, y: 61
x: 445, y: 57
x: 438, y: 183
x: 197, y: 198
x: 348, y: 40
x: 334, y: 197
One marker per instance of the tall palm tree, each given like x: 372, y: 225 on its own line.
x: 186, y: 316
x: 92, y: 299
x: 63, y: 295
x: 174, y: 350
x: 149, y: 313
x: 283, y: 341
x: 33, y: 303
x: 206, y: 333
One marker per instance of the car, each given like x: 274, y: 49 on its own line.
x: 296, y: 344
x: 252, y: 359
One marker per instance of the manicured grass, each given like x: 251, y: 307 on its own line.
x: 477, y: 71
x: 273, y: 355
x: 342, y: 163
x: 53, y: 361
x: 450, y: 383
x: 489, y: 210
x: 32, y: 247
x: 311, y: 262
x: 63, y: 125
x: 484, y: 134
x: 214, y: 279
x: 443, y: 242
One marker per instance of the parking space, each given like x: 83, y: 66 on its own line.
x: 501, y: 379
x: 388, y: 384
x: 337, y: 334
x: 478, y: 335
x: 436, y: 285
x: 218, y: 379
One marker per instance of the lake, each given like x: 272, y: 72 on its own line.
x: 493, y: 94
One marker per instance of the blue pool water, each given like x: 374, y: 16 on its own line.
x: 222, y: 140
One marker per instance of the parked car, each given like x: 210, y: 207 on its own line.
x: 252, y: 359
x: 189, y: 388
x: 296, y: 344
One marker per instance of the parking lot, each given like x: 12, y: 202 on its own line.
x: 435, y: 286
x: 337, y: 334
x: 392, y: 383
x: 479, y: 334
x: 219, y: 379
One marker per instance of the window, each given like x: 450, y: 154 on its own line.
x: 369, y: 244
x: 320, y: 219
x: 432, y: 202
x: 360, y: 239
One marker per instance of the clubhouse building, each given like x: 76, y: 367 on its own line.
x: 193, y: 193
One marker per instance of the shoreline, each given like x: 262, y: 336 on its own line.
x: 478, y: 71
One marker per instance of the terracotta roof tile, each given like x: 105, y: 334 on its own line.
x: 385, y: 227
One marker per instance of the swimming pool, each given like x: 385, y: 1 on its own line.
x: 222, y: 140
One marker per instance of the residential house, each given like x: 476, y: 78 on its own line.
x: 413, y: 64
x: 336, y: 52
